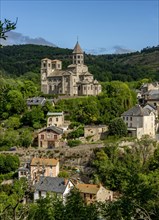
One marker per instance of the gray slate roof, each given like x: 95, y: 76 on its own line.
x: 36, y: 101
x: 51, y: 184
x: 54, y: 113
x: 137, y: 111
x: 151, y: 106
x: 53, y: 128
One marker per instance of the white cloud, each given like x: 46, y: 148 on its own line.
x: 18, y: 38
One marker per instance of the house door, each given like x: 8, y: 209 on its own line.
x: 41, y: 144
x: 51, y: 144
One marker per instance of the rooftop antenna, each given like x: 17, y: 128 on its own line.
x: 77, y: 38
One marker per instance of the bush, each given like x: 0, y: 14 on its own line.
x: 117, y: 127
x: 63, y: 174
x: 77, y: 133
x: 74, y: 125
x: 8, y: 163
x: 73, y: 143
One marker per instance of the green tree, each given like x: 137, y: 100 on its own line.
x: 5, y: 27
x: 117, y: 127
x: 34, y: 118
x: 25, y: 138
x: 12, y: 122
x: 15, y: 102
x: 75, y: 207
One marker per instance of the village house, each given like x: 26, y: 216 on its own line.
x: 140, y: 121
x: 151, y: 97
x: 76, y: 80
x: 95, y: 132
x: 149, y: 86
x: 50, y: 137
x: 149, y: 93
x: 43, y: 167
x: 55, y: 119
x: 38, y: 101
x: 94, y: 193
x: 23, y: 172
x: 53, y: 185
x: 152, y: 108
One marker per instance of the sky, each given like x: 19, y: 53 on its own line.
x: 101, y: 27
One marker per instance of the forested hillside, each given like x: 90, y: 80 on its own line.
x: 16, y: 60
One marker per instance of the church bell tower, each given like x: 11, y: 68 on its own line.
x: 78, y: 56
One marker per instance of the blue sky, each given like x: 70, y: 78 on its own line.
x: 101, y: 26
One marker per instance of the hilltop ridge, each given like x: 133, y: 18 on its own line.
x: 18, y: 59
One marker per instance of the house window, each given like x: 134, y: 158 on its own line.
x: 53, y: 66
x: 90, y: 196
x: 130, y: 118
x: 44, y: 64
x: 78, y: 61
x: 57, y: 119
x: 91, y: 87
x: 42, y: 137
x: 50, y: 119
x: 55, y: 136
x: 39, y: 194
x: 59, y: 65
x: 127, y: 118
x: 78, y: 57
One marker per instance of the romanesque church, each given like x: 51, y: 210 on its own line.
x: 76, y: 80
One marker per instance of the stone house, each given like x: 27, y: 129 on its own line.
x: 93, y: 192
x: 76, y: 80
x: 55, y: 119
x: 151, y: 97
x: 95, y: 132
x: 50, y: 137
x: 43, y: 167
x: 152, y: 108
x: 53, y: 185
x: 140, y: 121
x: 23, y: 172
x: 36, y: 101
x: 149, y: 94
x: 149, y: 86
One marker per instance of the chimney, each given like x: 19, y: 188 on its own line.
x: 99, y: 185
x: 65, y: 181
